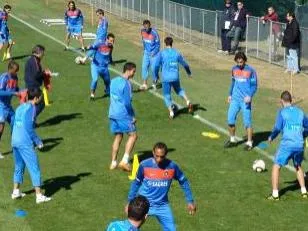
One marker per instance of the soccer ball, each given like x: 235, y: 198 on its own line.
x: 79, y: 60
x: 258, y: 166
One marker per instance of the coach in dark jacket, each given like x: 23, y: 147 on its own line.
x: 226, y: 19
x: 34, y: 74
x: 291, y: 41
x: 238, y: 25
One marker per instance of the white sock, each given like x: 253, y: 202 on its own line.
x: 16, y: 191
x: 249, y: 143
x: 39, y: 194
x: 275, y: 193
x: 188, y: 102
x: 232, y: 139
x: 114, y: 163
x: 125, y: 158
x: 303, y: 190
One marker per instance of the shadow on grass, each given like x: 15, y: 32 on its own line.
x: 50, y: 143
x: 196, y: 107
x: 293, y: 186
x: 18, y: 57
x: 58, y: 119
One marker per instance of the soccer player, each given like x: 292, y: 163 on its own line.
x: 74, y: 24
x: 23, y: 138
x: 291, y: 122
x: 153, y: 180
x: 151, y: 47
x: 169, y: 59
x: 8, y: 88
x: 243, y: 88
x: 121, y: 115
x: 5, y: 37
x: 137, y: 214
x: 102, y: 27
x: 101, y: 52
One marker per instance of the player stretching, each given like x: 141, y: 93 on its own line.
x: 154, y: 178
x: 5, y: 37
x: 291, y: 122
x: 137, y: 214
x: 8, y: 88
x: 151, y: 47
x: 242, y: 89
x: 122, y: 116
x: 169, y: 59
x: 101, y: 52
x: 23, y: 138
x: 74, y: 24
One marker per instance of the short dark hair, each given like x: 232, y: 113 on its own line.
x: 12, y: 64
x: 168, y: 41
x: 71, y: 2
x: 129, y: 66
x: 286, y: 96
x: 291, y: 13
x: 110, y: 35
x: 38, y: 49
x: 160, y: 145
x: 146, y: 22
x: 7, y: 7
x: 34, y: 92
x: 100, y: 11
x: 240, y: 55
x: 138, y: 208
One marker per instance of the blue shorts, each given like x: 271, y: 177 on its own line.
x: 7, y: 114
x: 4, y: 38
x: 234, y: 108
x: 284, y: 154
x: 164, y: 215
x: 121, y: 126
x: 74, y: 30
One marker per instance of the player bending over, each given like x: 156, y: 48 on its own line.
x: 74, y: 24
x: 169, y: 59
x: 153, y: 180
x: 243, y: 88
x: 290, y: 122
x: 121, y: 115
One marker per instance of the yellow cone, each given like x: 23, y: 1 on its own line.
x: 4, y: 56
x: 46, y: 97
x: 306, y: 142
x: 135, y: 167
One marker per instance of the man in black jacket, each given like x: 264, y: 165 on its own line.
x: 238, y: 26
x: 291, y: 41
x: 226, y: 19
x: 34, y: 74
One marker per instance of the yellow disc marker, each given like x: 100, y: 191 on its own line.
x: 210, y: 135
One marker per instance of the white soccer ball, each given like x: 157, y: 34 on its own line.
x: 258, y: 165
x: 79, y: 60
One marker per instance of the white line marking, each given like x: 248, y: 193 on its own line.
x: 196, y: 116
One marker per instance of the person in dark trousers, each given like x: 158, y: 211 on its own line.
x: 34, y: 73
x: 226, y: 19
x: 291, y: 41
x: 238, y: 26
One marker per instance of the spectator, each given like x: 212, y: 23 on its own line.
x: 227, y: 16
x: 272, y: 16
x: 291, y: 41
x: 238, y: 26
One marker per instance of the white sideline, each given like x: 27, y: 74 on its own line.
x: 196, y: 116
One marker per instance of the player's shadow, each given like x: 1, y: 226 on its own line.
x: 59, y: 119
x: 257, y: 138
x: 293, y: 186
x: 18, y: 57
x: 53, y: 185
x: 143, y: 155
x: 184, y: 110
x: 50, y: 143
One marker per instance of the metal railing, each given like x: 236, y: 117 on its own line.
x: 203, y: 27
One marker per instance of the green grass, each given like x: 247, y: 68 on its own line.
x: 229, y: 195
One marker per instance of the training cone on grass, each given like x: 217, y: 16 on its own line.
x: 211, y: 135
x: 46, y: 100
x: 135, y: 167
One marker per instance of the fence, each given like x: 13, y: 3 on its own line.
x: 203, y: 27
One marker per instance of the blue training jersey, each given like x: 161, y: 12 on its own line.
x: 4, y: 29
x: 73, y: 18
x: 291, y: 122
x: 244, y: 82
x: 169, y: 59
x: 151, y: 41
x: 121, y: 99
x: 121, y: 226
x: 153, y: 182
x: 8, y: 87
x: 102, y: 29
x: 23, y: 128
x: 102, y: 53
